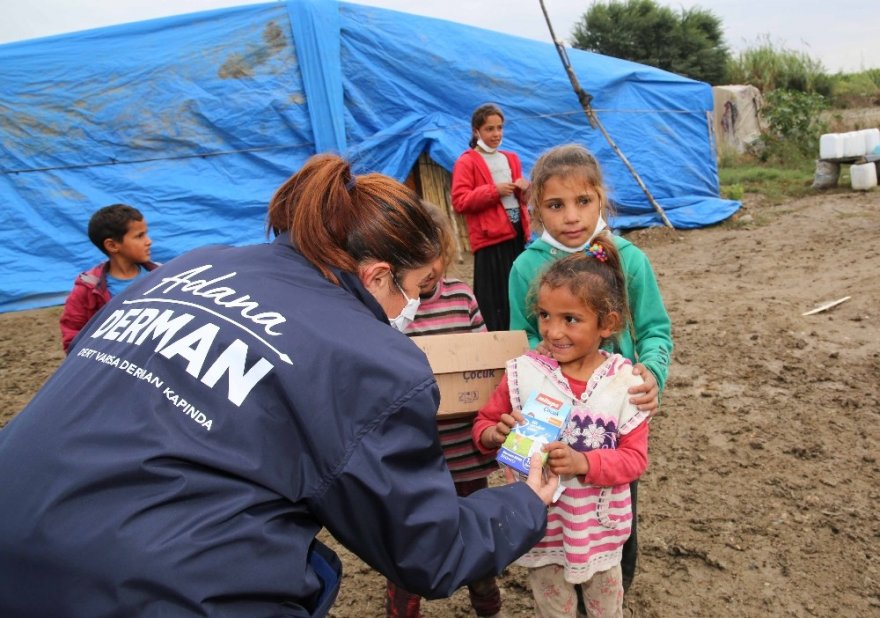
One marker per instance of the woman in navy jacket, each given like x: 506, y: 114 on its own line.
x: 215, y: 416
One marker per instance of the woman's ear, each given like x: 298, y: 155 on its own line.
x: 373, y: 275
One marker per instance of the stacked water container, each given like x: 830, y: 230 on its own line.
x: 855, y: 146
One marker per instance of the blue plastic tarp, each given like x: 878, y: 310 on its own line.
x: 197, y: 119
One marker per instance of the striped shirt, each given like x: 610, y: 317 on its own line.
x: 452, y: 308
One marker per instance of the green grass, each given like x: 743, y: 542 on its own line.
x: 773, y: 182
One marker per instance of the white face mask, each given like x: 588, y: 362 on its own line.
x: 483, y: 145
x: 408, y: 313
x: 547, y: 238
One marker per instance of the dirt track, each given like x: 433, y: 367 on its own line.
x: 762, y: 494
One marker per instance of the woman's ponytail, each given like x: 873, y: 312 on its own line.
x: 338, y: 220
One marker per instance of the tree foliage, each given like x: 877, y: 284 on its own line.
x: 794, y: 121
x: 689, y: 42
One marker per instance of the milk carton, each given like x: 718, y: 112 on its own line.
x: 545, y: 418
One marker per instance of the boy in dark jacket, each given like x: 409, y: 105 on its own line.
x: 120, y: 232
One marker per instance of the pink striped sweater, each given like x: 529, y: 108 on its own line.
x: 452, y: 308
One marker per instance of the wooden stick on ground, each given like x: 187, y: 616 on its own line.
x: 827, y: 306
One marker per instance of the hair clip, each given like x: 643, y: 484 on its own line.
x: 351, y: 183
x: 597, y: 251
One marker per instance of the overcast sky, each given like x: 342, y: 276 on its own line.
x: 843, y: 34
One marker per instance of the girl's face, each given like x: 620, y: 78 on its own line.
x: 569, y: 209
x: 408, y: 282
x: 491, y: 131
x: 570, y: 328
x: 429, y: 283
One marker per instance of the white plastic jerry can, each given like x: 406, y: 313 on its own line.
x: 863, y: 176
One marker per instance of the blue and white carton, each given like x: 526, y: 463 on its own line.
x: 545, y: 418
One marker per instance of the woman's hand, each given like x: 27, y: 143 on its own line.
x: 522, y: 184
x: 562, y: 459
x: 542, y: 483
x: 645, y: 396
x: 494, y: 437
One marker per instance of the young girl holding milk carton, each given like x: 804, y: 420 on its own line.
x: 581, y: 304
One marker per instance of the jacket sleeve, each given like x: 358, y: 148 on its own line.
x: 75, y: 315
x: 394, y: 505
x: 517, y: 293
x: 621, y: 465
x: 653, y: 328
x: 469, y: 193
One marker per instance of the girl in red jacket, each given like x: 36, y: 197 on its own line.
x: 488, y: 188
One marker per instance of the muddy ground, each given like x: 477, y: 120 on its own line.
x: 762, y: 494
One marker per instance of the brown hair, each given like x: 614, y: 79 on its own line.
x: 338, y: 220
x: 567, y: 161
x: 447, y: 241
x: 601, y: 284
x: 478, y: 119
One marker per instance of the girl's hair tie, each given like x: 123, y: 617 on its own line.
x: 597, y: 251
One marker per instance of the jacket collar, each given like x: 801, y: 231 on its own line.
x: 348, y: 281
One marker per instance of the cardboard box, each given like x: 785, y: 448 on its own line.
x: 468, y: 366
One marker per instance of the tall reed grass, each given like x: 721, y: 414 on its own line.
x: 769, y: 66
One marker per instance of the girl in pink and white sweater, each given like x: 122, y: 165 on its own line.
x: 581, y: 302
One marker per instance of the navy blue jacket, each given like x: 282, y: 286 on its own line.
x: 206, y: 425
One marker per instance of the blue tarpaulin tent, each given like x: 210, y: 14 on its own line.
x: 196, y: 119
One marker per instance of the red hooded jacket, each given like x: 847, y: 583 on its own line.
x: 475, y: 196
x: 89, y: 294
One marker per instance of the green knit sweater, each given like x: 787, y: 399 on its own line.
x: 653, y: 330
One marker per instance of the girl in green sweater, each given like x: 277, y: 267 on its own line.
x: 569, y: 200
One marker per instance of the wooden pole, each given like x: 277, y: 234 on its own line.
x: 435, y: 188
x: 585, y: 100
